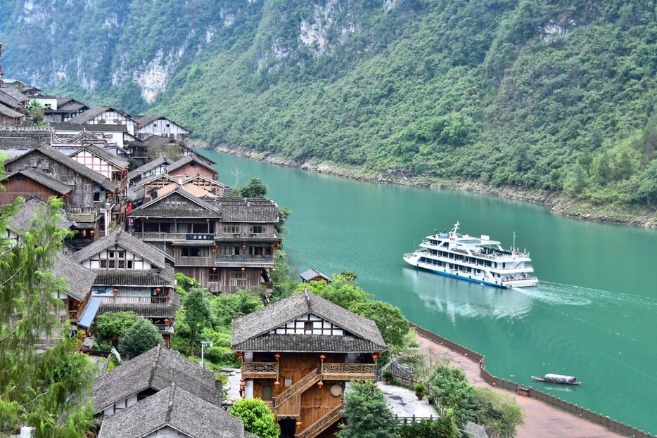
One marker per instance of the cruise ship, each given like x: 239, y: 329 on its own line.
x: 476, y: 259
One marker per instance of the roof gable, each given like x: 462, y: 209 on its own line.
x: 157, y: 369
x: 97, y: 111
x: 80, y: 279
x: 178, y: 202
x: 40, y: 178
x: 110, y: 158
x: 71, y: 164
x: 187, y: 160
x: 126, y: 241
x: 279, y: 314
x: 173, y: 408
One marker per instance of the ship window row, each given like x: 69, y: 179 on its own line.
x: 466, y: 259
x: 467, y: 269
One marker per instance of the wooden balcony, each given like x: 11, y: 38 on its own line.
x: 260, y: 370
x: 348, y: 371
x: 264, y: 261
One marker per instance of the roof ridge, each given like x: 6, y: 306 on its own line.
x: 170, y: 404
x: 155, y: 362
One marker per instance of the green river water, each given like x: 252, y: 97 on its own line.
x: 593, y: 315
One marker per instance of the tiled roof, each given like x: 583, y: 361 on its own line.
x: 121, y: 277
x: 145, y: 120
x: 251, y: 210
x: 8, y: 112
x: 137, y: 192
x: 188, y: 159
x: 79, y: 127
x: 125, y: 240
x: 312, y: 273
x: 148, y: 167
x: 157, y: 369
x: 72, y: 164
x: 152, y: 209
x: 33, y: 207
x: 7, y: 100
x: 111, y: 158
x: 309, y: 344
x: 96, y: 111
x: 158, y: 140
x: 260, y: 323
x: 80, y: 279
x: 15, y: 94
x: 42, y: 179
x: 173, y: 408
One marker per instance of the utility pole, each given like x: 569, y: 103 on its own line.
x: 203, y: 345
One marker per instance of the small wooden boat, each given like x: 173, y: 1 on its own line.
x: 558, y: 378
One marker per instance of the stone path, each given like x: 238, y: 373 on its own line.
x: 404, y: 403
x: 541, y: 420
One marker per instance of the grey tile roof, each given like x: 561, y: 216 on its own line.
x: 177, y: 409
x: 33, y: 207
x: 157, y: 369
x: 72, y: 164
x: 80, y: 279
x: 15, y: 94
x: 252, y: 210
x: 158, y: 140
x: 8, y: 112
x: 125, y: 240
x: 148, y: 167
x: 312, y: 273
x: 157, y: 208
x: 95, y: 111
x: 111, y: 158
x: 79, y: 127
x: 260, y: 323
x: 137, y: 192
x: 9, y: 101
x: 188, y: 159
x: 42, y: 179
x: 122, y: 277
x: 309, y: 344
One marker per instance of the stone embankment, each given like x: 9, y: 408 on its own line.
x: 557, y: 204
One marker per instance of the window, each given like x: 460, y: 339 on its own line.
x: 238, y: 275
x: 194, y: 251
x: 256, y: 229
x: 231, y: 229
x: 214, y: 275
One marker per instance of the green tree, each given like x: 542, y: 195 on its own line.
x: 112, y: 325
x: 46, y: 390
x: 342, y: 291
x: 442, y: 427
x: 254, y: 188
x: 139, y: 338
x: 34, y: 114
x: 647, y: 189
x: 499, y: 413
x: 197, y: 314
x: 366, y: 413
x: 392, y: 324
x: 257, y: 417
x: 450, y: 386
x: 284, y: 214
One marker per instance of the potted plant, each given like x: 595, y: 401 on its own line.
x: 419, y: 391
x: 387, y: 376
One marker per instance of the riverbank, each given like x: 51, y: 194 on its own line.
x: 540, y: 420
x: 645, y: 218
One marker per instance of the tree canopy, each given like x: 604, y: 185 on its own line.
x: 257, y: 417
x: 139, y: 338
x: 43, y: 388
x: 366, y: 413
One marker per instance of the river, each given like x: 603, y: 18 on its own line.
x: 593, y: 315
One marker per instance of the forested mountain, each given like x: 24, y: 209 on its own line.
x: 554, y: 95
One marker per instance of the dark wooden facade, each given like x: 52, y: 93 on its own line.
x: 298, y: 356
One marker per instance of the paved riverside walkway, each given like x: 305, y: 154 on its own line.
x: 541, y: 420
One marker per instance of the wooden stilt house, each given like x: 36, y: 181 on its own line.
x: 297, y: 356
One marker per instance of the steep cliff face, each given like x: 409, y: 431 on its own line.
x: 555, y: 95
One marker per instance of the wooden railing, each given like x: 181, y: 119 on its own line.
x: 264, y: 370
x: 593, y: 417
x: 301, y: 385
x: 347, y: 371
x: 322, y: 424
x: 226, y: 260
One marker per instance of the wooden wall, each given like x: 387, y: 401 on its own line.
x: 26, y: 188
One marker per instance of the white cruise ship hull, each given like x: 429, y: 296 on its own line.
x: 421, y: 260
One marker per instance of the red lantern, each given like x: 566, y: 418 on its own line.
x: 277, y: 383
x: 320, y: 384
x: 166, y: 321
x: 322, y: 357
x: 116, y: 291
x: 277, y: 356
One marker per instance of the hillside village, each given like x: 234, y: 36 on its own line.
x: 144, y: 206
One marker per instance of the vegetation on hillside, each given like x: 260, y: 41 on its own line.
x: 544, y: 95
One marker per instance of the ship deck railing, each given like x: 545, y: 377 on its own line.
x: 495, y: 256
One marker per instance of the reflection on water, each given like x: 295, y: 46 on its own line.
x: 470, y: 300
